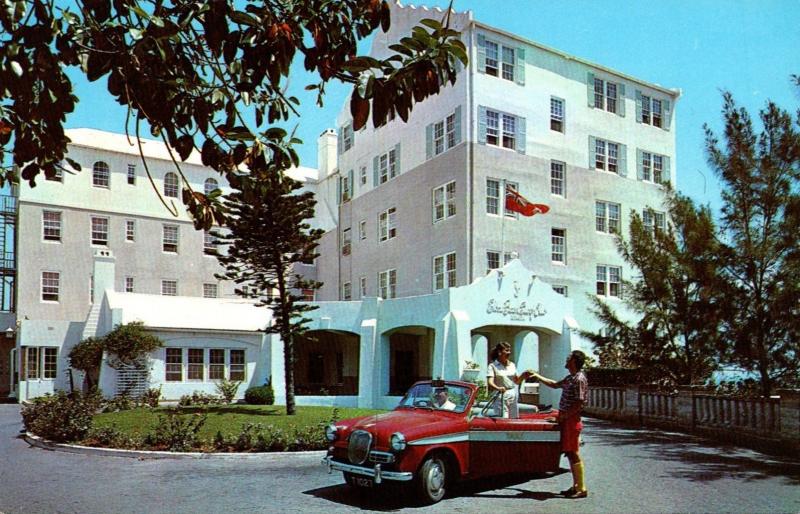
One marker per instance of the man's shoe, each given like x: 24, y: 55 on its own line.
x: 578, y: 494
x: 569, y: 492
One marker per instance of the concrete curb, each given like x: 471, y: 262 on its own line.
x: 44, y: 444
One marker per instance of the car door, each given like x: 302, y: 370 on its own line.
x: 502, y: 445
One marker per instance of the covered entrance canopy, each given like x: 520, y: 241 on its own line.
x: 405, y: 339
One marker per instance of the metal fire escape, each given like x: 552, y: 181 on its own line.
x: 8, y: 254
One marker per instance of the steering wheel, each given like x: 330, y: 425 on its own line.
x: 422, y: 403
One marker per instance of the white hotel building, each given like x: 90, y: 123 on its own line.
x: 414, y: 219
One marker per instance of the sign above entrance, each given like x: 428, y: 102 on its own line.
x: 515, y: 311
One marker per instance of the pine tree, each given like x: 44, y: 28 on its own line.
x: 266, y: 236
x: 674, y: 298
x: 759, y: 173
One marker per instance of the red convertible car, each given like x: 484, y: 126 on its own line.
x: 438, y: 435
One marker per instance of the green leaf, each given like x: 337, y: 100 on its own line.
x: 16, y: 68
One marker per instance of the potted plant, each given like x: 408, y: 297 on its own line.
x: 471, y: 371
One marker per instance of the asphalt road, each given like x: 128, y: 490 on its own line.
x: 627, y: 471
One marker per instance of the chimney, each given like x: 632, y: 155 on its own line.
x: 326, y: 153
x: 102, y: 274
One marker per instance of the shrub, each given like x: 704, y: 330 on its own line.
x: 128, y: 344
x: 260, y: 395
x: 111, y: 437
x: 151, y: 397
x: 61, y: 417
x: 175, y: 433
x: 119, y: 403
x: 198, y: 398
x: 227, y: 389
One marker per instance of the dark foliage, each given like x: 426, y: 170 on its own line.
x: 260, y: 395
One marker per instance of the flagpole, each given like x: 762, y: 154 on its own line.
x: 501, y: 259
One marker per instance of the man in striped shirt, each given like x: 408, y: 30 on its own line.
x: 575, y: 393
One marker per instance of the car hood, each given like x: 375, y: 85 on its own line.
x: 414, y: 424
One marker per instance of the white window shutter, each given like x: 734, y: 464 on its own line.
x: 622, y: 160
x: 429, y: 141
x: 521, y: 138
x: 376, y: 179
x: 638, y: 106
x: 590, y: 88
x: 481, y: 125
x: 481, y: 53
x: 665, y: 174
x: 519, y: 68
x: 639, y: 164
x: 592, y: 150
x: 667, y: 115
x: 621, y: 99
x: 457, y: 124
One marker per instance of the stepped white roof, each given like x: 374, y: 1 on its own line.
x: 183, y: 312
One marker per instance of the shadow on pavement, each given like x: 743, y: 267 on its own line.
x: 706, y: 460
x: 392, y: 497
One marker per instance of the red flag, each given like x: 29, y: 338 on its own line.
x: 517, y: 203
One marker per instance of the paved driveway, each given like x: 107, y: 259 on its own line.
x: 627, y: 471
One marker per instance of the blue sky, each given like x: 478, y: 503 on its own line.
x: 747, y: 47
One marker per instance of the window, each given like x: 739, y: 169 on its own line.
x: 653, y: 167
x: 444, y: 271
x: 346, y: 140
x: 237, y: 367
x: 362, y: 175
x: 609, y: 281
x: 99, y: 231
x: 607, y: 95
x: 387, y: 165
x: 650, y: 110
x: 169, y: 287
x: 169, y: 238
x: 654, y: 221
x: 607, y: 217
x: 216, y: 364
x: 209, y: 243
x: 58, y: 174
x: 171, y: 185
x: 308, y: 294
x: 196, y: 364
x: 346, y: 186
x: 558, y: 180
x: 363, y: 286
x: 606, y: 155
x: 491, y: 65
x: 51, y: 225
x: 501, y: 129
x: 362, y: 229
x: 131, y: 174
x: 210, y: 290
x: 493, y: 197
x: 558, y: 240
x: 101, y: 175
x: 387, y: 283
x: 40, y: 362
x: 347, y: 291
x: 130, y: 230
x: 562, y: 290
x: 174, y: 365
x: 443, y: 134
x: 493, y: 259
x: 387, y: 224
x: 500, y: 60
x: 210, y: 185
x: 128, y: 284
x: 346, y: 241
x: 444, y: 201
x: 556, y: 114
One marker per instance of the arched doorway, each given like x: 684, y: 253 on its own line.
x: 410, y: 357
x: 327, y: 363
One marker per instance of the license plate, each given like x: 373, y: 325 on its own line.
x: 363, y: 482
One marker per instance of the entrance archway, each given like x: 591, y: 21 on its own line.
x: 410, y: 357
x: 327, y: 363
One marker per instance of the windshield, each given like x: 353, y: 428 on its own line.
x: 450, y: 397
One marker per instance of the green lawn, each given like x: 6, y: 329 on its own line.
x: 227, y: 419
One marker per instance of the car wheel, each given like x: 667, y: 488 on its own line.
x: 432, y: 479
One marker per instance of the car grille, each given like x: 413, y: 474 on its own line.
x: 358, y: 449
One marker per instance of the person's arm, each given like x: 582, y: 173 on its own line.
x: 546, y: 381
x: 493, y: 386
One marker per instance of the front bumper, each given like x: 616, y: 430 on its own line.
x: 375, y: 472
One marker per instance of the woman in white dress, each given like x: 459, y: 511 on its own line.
x: 502, y: 376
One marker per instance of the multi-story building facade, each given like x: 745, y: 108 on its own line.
x: 124, y: 206
x: 420, y: 206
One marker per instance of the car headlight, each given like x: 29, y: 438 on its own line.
x: 398, y: 442
x: 330, y: 432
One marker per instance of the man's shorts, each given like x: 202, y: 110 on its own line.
x: 570, y: 434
